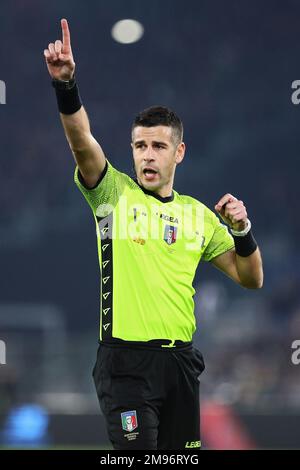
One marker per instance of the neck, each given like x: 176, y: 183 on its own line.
x: 164, y: 191
x: 163, y: 194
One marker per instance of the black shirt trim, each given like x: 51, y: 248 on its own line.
x: 80, y: 177
x: 157, y: 196
x: 146, y: 191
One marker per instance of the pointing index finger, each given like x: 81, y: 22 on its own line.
x: 65, y: 33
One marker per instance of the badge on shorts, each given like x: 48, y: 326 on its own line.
x: 129, y: 420
x: 170, y: 234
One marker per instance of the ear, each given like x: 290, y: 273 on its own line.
x: 180, y: 153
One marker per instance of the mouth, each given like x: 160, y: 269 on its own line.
x: 149, y: 173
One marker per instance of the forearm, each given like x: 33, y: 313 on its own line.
x: 86, y: 150
x: 250, y: 270
x: 77, y: 129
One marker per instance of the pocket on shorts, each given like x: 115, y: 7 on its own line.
x: 95, y: 366
x: 129, y: 361
x: 199, y: 361
x: 101, y: 356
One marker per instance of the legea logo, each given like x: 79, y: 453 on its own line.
x: 2, y: 353
x: 2, y: 92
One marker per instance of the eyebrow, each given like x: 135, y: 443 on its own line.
x: 155, y: 142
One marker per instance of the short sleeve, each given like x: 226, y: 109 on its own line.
x: 221, y: 240
x: 105, y: 195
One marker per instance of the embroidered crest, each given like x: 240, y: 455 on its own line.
x: 129, y: 420
x: 170, y: 234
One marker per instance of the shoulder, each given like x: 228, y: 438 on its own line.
x: 202, y: 212
x: 185, y: 199
x: 191, y: 201
x: 111, y: 177
x: 122, y: 177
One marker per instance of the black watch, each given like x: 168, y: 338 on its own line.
x: 63, y: 84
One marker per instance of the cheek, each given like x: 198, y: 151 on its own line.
x: 169, y: 164
x: 136, y: 160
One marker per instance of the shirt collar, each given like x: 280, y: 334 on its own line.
x: 157, y: 196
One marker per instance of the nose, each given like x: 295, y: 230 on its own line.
x: 149, y: 155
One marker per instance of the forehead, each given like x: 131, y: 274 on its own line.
x: 157, y: 133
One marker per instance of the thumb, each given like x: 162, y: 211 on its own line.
x: 65, y: 57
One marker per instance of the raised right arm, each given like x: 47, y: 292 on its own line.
x: 86, y: 150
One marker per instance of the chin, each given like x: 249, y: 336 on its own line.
x: 151, y: 185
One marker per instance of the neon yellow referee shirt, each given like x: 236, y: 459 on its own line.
x: 149, y: 248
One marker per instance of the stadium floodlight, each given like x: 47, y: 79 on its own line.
x: 127, y: 31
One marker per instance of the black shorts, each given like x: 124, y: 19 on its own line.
x: 149, y: 396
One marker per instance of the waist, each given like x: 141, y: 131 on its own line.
x: 151, y: 344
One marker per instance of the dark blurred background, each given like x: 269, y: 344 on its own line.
x: 226, y: 68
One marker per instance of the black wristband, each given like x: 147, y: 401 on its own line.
x: 67, y: 95
x: 245, y: 246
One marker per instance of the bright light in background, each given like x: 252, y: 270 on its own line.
x: 127, y: 31
x: 26, y: 425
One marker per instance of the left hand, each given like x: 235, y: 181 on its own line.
x: 232, y: 211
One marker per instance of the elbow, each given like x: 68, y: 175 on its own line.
x: 257, y: 285
x: 78, y: 148
x: 253, y: 284
x: 79, y: 143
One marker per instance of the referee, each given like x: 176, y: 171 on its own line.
x: 150, y: 241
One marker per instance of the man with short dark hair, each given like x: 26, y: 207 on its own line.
x: 150, y: 242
